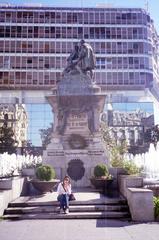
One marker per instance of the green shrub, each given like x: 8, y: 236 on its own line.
x: 45, y: 173
x: 156, y: 206
x: 101, y: 170
x: 130, y: 167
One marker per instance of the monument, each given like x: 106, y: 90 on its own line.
x: 77, y: 102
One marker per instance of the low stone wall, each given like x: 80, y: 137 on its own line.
x: 140, y: 203
x: 140, y: 200
x: 129, y: 181
x: 11, y: 189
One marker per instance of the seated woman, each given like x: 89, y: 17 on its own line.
x: 64, y: 192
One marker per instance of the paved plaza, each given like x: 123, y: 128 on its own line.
x: 77, y: 230
x: 60, y: 229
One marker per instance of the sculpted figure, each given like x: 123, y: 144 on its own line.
x: 72, y: 60
x: 86, y: 59
x: 82, y: 59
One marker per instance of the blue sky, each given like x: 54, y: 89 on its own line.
x: 153, y: 5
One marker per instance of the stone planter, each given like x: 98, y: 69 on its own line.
x: 44, y: 186
x: 11, y: 189
x: 6, y: 183
x: 102, y: 184
x: 116, y: 172
x: 129, y: 181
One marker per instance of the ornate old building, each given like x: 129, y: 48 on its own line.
x: 14, y: 116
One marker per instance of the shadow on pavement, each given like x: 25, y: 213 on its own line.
x: 113, y: 223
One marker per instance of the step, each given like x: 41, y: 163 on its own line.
x: 71, y: 215
x: 73, y: 208
x: 27, y: 203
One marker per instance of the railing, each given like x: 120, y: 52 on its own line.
x: 11, y: 165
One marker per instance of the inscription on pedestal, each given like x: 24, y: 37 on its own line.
x: 96, y: 152
x: 55, y: 153
x: 78, y: 122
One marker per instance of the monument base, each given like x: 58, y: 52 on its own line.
x: 78, y: 164
x: 76, y: 146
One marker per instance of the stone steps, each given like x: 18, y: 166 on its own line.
x: 112, y: 209
x: 71, y: 215
x: 75, y: 208
x: 88, y: 205
x: 27, y: 201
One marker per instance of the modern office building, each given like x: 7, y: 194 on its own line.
x: 36, y: 41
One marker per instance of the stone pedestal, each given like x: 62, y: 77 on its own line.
x: 76, y: 146
x: 141, y: 205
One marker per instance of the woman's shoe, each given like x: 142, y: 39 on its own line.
x: 67, y: 211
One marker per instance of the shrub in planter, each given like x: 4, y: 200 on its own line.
x: 101, y: 170
x: 45, y: 179
x: 131, y: 167
x: 102, y: 178
x: 45, y: 173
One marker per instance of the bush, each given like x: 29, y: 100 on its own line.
x: 156, y: 206
x: 45, y: 173
x: 101, y: 170
x: 130, y: 167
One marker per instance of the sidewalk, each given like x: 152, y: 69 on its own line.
x: 77, y: 230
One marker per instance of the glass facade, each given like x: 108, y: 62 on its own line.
x: 35, y: 43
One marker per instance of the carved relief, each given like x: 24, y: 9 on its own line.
x: 76, y: 169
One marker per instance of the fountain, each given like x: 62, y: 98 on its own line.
x: 12, y: 164
x: 149, y: 163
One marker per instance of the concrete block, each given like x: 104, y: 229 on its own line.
x: 5, y: 198
x: 140, y: 203
x: 6, y: 183
x: 8, y: 195
x: 1, y: 203
x: 128, y: 181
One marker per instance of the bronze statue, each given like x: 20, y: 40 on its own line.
x: 81, y: 59
x: 86, y: 59
x: 72, y: 60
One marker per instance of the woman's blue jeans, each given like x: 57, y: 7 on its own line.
x: 64, y: 201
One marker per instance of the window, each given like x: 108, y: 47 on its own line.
x: 29, y: 60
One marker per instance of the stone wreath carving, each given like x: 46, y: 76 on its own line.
x: 76, y: 141
x: 76, y: 169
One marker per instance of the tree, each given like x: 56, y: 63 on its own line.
x: 116, y: 151
x: 30, y: 149
x: 46, y: 135
x: 152, y: 135
x: 7, y: 140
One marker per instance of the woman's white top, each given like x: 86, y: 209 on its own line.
x: 61, y: 190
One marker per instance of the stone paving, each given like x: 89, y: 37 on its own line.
x: 85, y: 195
x: 77, y: 230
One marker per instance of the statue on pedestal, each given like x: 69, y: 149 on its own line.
x: 77, y: 82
